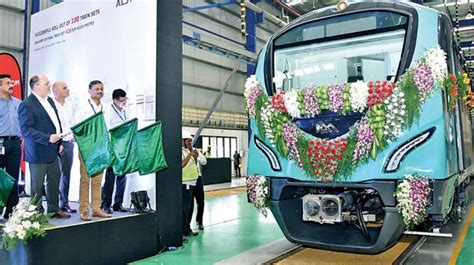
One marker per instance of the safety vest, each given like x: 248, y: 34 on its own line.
x: 190, y: 171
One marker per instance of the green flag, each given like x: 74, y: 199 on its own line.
x: 93, y: 140
x: 150, y: 149
x: 6, y: 186
x: 125, y: 148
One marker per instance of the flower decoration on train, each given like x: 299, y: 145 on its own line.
x: 383, y: 110
x: 412, y: 199
x: 257, y: 191
x: 469, y: 97
x: 458, y: 87
x: 25, y: 223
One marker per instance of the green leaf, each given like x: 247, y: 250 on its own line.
x: 412, y: 99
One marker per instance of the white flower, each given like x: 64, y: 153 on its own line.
x: 258, y: 192
x: 24, y: 219
x: 359, y: 93
x: 251, y: 82
x: 291, y: 103
x: 265, y: 115
x: 20, y: 230
x: 395, y: 117
x: 26, y: 224
x: 27, y: 215
x: 36, y: 225
x: 21, y: 234
x: 435, y: 58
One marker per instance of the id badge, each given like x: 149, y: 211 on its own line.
x: 2, y: 150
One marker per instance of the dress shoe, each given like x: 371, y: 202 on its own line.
x: 108, y: 210
x: 85, y: 216
x: 100, y: 213
x: 200, y: 226
x: 119, y: 208
x: 61, y: 215
x: 68, y: 209
x: 191, y: 233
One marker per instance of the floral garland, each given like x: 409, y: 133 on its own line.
x: 388, y: 109
x: 257, y: 191
x: 458, y: 86
x: 25, y: 223
x: 412, y: 195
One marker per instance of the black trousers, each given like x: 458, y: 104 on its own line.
x: 65, y: 161
x: 108, y: 189
x: 198, y: 194
x: 187, y: 204
x: 10, y: 162
x: 46, y: 176
x: 237, y: 170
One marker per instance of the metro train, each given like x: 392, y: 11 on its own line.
x: 321, y: 193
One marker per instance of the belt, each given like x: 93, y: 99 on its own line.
x: 11, y: 137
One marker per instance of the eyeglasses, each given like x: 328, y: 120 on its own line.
x: 122, y: 100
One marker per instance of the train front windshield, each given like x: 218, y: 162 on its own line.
x: 334, y: 51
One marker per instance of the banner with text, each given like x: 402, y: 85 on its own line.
x: 113, y: 41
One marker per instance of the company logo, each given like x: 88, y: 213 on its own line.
x: 324, y: 128
x: 122, y: 2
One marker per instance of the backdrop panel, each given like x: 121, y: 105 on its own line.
x: 77, y: 41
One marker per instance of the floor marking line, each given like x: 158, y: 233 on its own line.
x: 458, y: 247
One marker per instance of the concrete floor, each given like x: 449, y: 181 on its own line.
x: 235, y: 233
x: 232, y: 226
x: 437, y: 250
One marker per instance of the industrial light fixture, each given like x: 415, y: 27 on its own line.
x: 469, y: 13
x: 294, y: 2
x: 342, y: 5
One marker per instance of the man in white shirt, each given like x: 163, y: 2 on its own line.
x: 41, y: 129
x: 61, y: 92
x: 198, y: 192
x: 116, y: 115
x: 92, y: 183
x: 190, y: 174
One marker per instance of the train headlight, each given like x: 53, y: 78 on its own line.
x: 312, y: 207
x: 330, y: 207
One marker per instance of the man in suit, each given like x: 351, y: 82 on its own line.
x: 41, y: 129
x: 237, y: 164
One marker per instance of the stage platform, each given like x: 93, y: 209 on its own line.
x: 124, y: 238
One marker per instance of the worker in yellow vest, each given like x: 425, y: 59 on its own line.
x: 190, y: 175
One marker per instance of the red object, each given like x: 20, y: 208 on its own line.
x: 278, y: 103
x: 9, y: 65
x: 378, y: 92
x: 325, y: 157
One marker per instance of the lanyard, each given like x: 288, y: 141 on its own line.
x: 118, y: 114
x: 95, y: 112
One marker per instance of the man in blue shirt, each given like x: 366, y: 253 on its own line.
x: 10, y: 145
